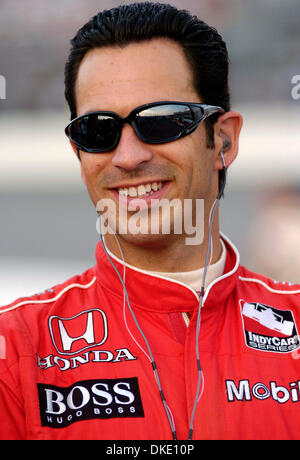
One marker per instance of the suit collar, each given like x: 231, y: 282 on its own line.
x: 156, y: 293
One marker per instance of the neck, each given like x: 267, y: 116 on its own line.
x: 167, y: 253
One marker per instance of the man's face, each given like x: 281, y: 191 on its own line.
x: 120, y: 80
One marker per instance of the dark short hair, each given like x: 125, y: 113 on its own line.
x: 203, y: 46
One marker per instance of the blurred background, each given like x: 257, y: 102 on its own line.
x: 48, y: 225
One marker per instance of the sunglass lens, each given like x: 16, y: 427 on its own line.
x: 95, y: 132
x: 160, y: 123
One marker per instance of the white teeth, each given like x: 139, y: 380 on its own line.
x: 141, y: 190
x: 133, y: 192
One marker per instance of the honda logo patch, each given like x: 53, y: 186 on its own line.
x: 78, y: 333
x: 269, y: 329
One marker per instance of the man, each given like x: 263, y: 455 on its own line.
x: 165, y: 338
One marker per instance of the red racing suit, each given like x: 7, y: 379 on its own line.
x: 74, y: 364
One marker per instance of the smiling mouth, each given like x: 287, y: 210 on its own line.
x: 140, y: 191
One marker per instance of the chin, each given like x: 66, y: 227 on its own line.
x: 154, y: 241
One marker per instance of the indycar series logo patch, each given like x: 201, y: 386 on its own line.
x: 269, y: 329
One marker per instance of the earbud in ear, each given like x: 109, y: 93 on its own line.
x: 226, y: 144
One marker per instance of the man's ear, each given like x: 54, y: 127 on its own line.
x: 227, y: 133
x: 77, y: 153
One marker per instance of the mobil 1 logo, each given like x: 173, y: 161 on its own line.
x: 89, y: 399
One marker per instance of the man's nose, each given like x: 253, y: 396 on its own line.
x: 131, y: 151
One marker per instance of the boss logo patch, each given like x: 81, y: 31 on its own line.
x: 89, y: 399
x: 269, y: 329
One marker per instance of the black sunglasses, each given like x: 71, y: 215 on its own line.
x: 154, y: 123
